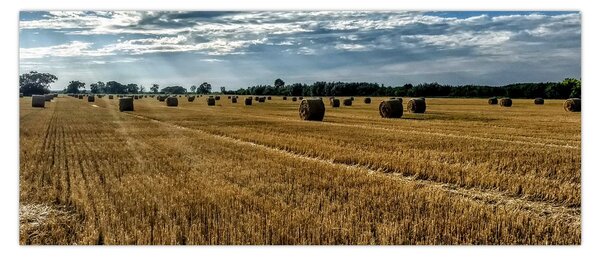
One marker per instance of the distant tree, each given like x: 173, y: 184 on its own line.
x: 114, y: 87
x: 154, y: 88
x: 35, y: 83
x: 575, y: 86
x: 74, y: 86
x: 279, y: 83
x: 204, y: 88
x: 193, y: 88
x: 95, y: 87
x: 142, y: 89
x: 174, y: 90
x: 223, y: 90
x: 132, y: 88
x: 563, y: 89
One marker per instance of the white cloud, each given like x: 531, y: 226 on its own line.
x: 74, y: 48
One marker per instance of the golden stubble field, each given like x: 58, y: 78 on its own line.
x: 464, y: 172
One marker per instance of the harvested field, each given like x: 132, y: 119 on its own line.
x: 464, y: 172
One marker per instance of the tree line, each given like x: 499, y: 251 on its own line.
x: 39, y: 83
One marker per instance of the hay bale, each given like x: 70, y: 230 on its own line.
x: 91, y: 98
x: 56, y: 95
x: 48, y: 97
x: 300, y: 98
x: 136, y: 97
x: 161, y: 98
x: 191, y: 99
x: 416, y: 105
x: 217, y: 97
x: 255, y: 98
x: 572, y: 105
x: 538, y: 101
x: 20, y: 95
x: 284, y: 98
x: 211, y: 101
x: 228, y: 97
x: 505, y: 102
x: 80, y: 96
x: 38, y: 100
x: 248, y: 101
x: 294, y: 99
x: 312, y: 109
x: 111, y: 97
x: 334, y: 102
x: 367, y: 100
x: 347, y: 102
x: 126, y: 104
x: 269, y: 98
x: 172, y: 102
x: 493, y: 101
x: 234, y: 100
x: 391, y: 108
x: 352, y: 98
x: 261, y: 99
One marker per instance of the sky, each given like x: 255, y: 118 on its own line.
x: 241, y: 49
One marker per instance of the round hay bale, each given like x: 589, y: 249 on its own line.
x: 248, y: 101
x: 493, y: 101
x: 391, y: 108
x: 172, y: 102
x: 136, y: 97
x: 284, y: 98
x: 233, y: 100
x: 269, y: 98
x: 255, y: 98
x: 347, y: 102
x: 352, y: 98
x: 80, y: 96
x: 191, y: 99
x: 161, y: 98
x: 334, y: 102
x: 91, y: 98
x: 111, y: 97
x: 416, y: 105
x: 261, y: 99
x: 505, y: 102
x: 300, y: 98
x: 126, y: 104
x: 228, y: 97
x: 367, y: 100
x: 538, y: 101
x: 312, y: 109
x: 56, y: 95
x: 217, y: 97
x: 48, y: 97
x: 572, y: 105
x: 38, y: 101
x: 211, y: 101
x: 294, y: 99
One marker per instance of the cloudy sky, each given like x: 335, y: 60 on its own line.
x: 240, y: 49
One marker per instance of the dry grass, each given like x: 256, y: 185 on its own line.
x: 469, y: 173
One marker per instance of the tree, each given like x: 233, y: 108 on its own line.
x: 74, y: 87
x: 132, y: 88
x: 94, y: 87
x: 114, y: 87
x: 279, y: 83
x: 174, y: 90
x: 204, y: 88
x: 193, y: 88
x: 142, y: 89
x: 575, y: 86
x: 35, y: 83
x: 154, y: 88
x: 223, y: 90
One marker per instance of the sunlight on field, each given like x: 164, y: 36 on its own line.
x: 464, y: 172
